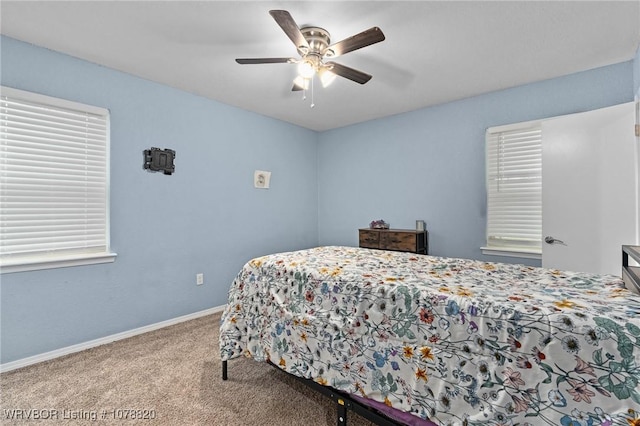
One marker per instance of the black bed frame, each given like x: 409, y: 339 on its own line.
x: 343, y: 401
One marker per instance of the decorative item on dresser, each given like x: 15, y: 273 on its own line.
x: 631, y: 274
x: 409, y: 240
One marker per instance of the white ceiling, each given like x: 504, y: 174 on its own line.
x: 434, y: 52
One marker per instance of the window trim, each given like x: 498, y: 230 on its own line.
x: 57, y: 259
x: 523, y: 254
x: 42, y: 263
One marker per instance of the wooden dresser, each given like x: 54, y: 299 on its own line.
x: 409, y: 240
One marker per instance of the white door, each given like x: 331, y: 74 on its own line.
x: 589, y: 189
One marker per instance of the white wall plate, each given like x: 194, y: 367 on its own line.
x: 261, y: 179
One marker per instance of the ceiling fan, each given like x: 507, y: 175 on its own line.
x: 314, y: 46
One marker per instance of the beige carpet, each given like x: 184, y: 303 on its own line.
x: 173, y: 373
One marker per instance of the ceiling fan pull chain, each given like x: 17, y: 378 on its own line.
x: 312, y: 104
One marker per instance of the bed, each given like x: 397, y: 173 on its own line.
x: 454, y: 341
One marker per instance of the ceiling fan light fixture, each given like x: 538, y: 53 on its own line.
x: 326, y: 77
x: 306, y: 69
x: 301, y: 83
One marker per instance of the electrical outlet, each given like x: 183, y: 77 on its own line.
x: 199, y: 279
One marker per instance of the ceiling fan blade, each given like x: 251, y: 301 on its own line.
x: 347, y: 72
x: 245, y: 61
x: 291, y: 29
x: 366, y: 38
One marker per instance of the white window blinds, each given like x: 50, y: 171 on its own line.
x: 53, y: 179
x: 514, y: 189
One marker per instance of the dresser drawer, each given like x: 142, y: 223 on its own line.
x: 398, y: 241
x: 369, y: 239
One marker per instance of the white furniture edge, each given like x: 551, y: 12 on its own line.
x: 35, y: 359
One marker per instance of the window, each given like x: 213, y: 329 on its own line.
x: 54, y: 182
x: 514, y: 190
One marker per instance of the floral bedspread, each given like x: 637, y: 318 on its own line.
x: 452, y: 340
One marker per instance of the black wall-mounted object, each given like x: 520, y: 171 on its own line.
x: 159, y: 160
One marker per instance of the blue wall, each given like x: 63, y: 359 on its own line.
x: 207, y: 217
x: 429, y: 164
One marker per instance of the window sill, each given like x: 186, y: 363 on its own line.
x: 521, y: 253
x: 43, y: 263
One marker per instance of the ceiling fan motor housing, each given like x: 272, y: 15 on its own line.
x: 318, y: 39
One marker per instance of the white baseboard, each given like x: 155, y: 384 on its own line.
x: 104, y: 340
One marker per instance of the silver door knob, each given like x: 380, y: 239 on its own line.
x: 551, y: 240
